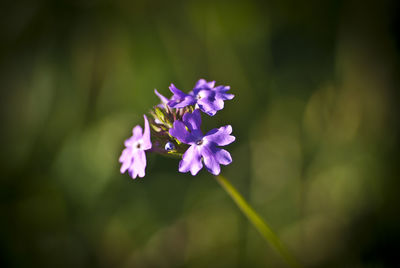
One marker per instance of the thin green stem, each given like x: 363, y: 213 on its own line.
x: 256, y: 220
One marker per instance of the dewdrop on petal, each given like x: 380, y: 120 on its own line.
x: 169, y: 146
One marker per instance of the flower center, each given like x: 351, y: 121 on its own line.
x: 138, y: 145
x: 200, y: 95
x: 199, y: 142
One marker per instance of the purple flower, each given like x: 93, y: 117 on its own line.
x: 204, y: 95
x: 133, y: 157
x: 220, y: 91
x: 203, y: 148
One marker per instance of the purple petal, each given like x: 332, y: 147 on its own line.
x: 225, y: 96
x: 210, y: 161
x: 221, y: 93
x: 223, y: 156
x: 125, y: 159
x: 202, y: 83
x: 137, y: 132
x: 211, y: 84
x: 146, y: 135
x: 220, y: 136
x: 222, y: 88
x: 176, y: 91
x: 138, y: 164
x: 137, y: 135
x: 163, y: 99
x: 191, y: 160
x: 205, y: 94
x: 180, y: 99
x: 210, y: 107
x: 128, y: 142
x: 201, y: 91
x: 177, y: 102
x: 180, y: 132
x: 192, y: 120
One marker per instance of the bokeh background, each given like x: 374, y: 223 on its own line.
x: 315, y: 117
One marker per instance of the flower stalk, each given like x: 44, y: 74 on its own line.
x: 174, y: 130
x: 261, y: 226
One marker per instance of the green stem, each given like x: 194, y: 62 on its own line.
x: 256, y: 220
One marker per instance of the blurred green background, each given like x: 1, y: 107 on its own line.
x: 315, y: 117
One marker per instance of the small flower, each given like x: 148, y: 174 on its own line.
x: 204, y: 95
x: 133, y: 157
x: 220, y: 91
x: 202, y: 147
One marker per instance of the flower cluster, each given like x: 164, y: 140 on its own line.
x: 174, y: 130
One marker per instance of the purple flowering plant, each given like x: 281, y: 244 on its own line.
x: 174, y: 129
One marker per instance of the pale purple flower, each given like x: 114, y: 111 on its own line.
x: 204, y: 95
x: 203, y: 148
x: 133, y: 157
